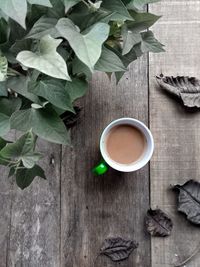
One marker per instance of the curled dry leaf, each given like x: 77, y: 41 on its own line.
x: 117, y: 248
x: 186, y: 88
x: 189, y: 200
x: 183, y: 263
x: 158, y: 223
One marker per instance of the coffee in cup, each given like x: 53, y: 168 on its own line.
x: 126, y: 145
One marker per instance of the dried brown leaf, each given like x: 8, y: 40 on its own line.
x: 189, y: 200
x: 184, y: 87
x: 117, y: 248
x: 158, y: 223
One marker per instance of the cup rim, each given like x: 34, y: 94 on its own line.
x: 141, y: 162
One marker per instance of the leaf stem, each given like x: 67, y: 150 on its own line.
x: 189, y: 258
x: 96, y: 258
x: 12, y: 72
x: 90, y: 2
x: 7, y: 160
x: 13, y: 165
x: 19, y: 168
x: 86, y: 3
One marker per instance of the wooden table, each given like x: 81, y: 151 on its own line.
x: 64, y: 220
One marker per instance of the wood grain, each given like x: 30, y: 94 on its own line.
x: 6, y: 186
x: 94, y: 208
x: 63, y: 221
x: 34, y: 238
x: 176, y: 131
x: 5, y: 200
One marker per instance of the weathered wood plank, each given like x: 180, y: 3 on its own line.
x: 5, y: 200
x: 176, y: 132
x: 94, y: 208
x: 5, y: 211
x: 35, y: 217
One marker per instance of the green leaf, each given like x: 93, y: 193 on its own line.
x: 11, y: 172
x: 34, y: 13
x: 76, y: 89
x: 79, y: 12
x: 5, y: 31
x: 4, y: 124
x: 44, y: 122
x: 3, y: 68
x: 64, y: 53
x: 22, y: 120
x: 130, y: 57
x: 16, y: 31
x: 46, y: 60
x: 3, y: 15
x: 137, y: 50
x: 79, y: 68
x: 9, y: 105
x: 42, y: 27
x: 57, y: 11
x: 24, y: 145
x: 20, y: 86
x: 150, y: 43
x: 117, y: 6
x: 3, y: 89
x: 139, y: 4
x: 126, y: 59
x: 2, y: 143
x: 109, y: 62
x: 15, y: 9
x: 96, y: 5
x: 40, y: 2
x: 20, y: 45
x: 89, y: 45
x: 25, y: 177
x: 142, y: 21
x: 30, y: 159
x: 70, y: 3
x: 53, y: 91
x: 95, y: 17
x: 22, y: 150
x: 129, y: 39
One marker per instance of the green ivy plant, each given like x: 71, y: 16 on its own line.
x: 49, y: 50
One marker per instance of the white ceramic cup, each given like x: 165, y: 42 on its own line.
x: 143, y: 160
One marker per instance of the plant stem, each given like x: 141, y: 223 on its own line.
x: 18, y: 168
x: 86, y: 3
x: 13, y: 164
x: 189, y: 258
x: 90, y: 2
x: 12, y: 72
x: 96, y: 258
x: 7, y: 160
